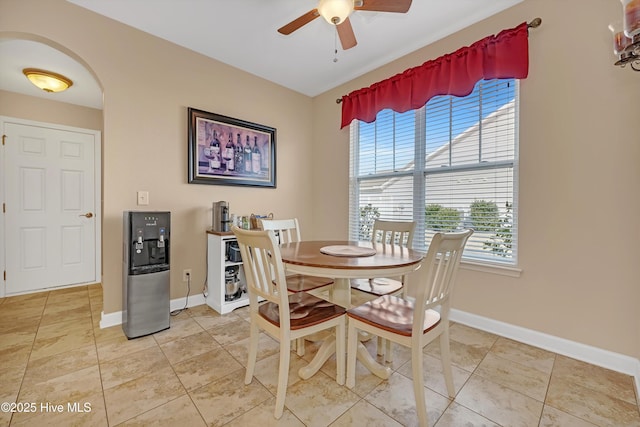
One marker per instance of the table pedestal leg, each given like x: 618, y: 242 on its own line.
x: 325, y: 351
x: 341, y: 294
x: 328, y: 348
x: 371, y: 364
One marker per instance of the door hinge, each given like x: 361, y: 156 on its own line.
x: 3, y: 138
x: 4, y: 208
x: 5, y: 275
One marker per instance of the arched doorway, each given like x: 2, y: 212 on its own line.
x: 43, y: 132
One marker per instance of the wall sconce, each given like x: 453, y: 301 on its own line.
x: 47, y: 80
x: 626, y: 35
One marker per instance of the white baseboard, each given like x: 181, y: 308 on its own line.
x: 596, y: 356
x: 110, y: 319
x: 114, y: 319
x: 637, y: 377
x: 194, y: 300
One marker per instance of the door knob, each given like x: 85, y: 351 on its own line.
x: 87, y: 215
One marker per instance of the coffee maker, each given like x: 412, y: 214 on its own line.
x: 220, y: 217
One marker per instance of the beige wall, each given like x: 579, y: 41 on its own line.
x: 145, y: 131
x: 579, y: 173
x: 43, y: 110
x: 579, y: 159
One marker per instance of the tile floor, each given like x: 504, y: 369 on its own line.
x: 53, y: 352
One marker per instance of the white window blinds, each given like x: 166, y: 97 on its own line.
x: 449, y: 165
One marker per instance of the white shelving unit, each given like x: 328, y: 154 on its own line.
x: 217, y: 262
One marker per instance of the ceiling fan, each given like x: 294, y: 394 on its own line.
x: 336, y: 12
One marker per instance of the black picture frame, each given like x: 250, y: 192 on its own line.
x: 209, y: 160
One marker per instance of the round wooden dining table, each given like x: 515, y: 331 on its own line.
x: 343, y: 260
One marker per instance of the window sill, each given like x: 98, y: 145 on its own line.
x: 502, y: 270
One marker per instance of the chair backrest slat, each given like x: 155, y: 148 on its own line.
x: 286, y: 230
x: 393, y: 232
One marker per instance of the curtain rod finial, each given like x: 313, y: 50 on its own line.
x: 535, y: 23
x: 339, y: 100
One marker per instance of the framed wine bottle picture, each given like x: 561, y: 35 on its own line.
x: 228, y: 151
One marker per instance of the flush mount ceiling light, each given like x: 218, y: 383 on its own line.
x: 47, y: 80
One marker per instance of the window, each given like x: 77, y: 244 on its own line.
x: 449, y: 165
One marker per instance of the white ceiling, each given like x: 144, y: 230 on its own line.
x: 242, y: 33
x: 16, y: 55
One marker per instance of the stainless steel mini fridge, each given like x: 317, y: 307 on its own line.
x: 146, y: 268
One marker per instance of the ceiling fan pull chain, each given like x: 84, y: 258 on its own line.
x: 335, y: 45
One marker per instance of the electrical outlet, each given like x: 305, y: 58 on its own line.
x: 186, y: 275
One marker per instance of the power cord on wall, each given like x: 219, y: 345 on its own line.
x: 205, y: 287
x: 186, y: 303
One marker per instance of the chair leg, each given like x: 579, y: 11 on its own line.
x: 254, y: 336
x: 283, y: 376
x: 352, y: 348
x: 380, y: 347
x: 300, y: 347
x: 340, y: 353
x: 384, y: 349
x: 418, y: 385
x: 445, y: 356
x: 388, y: 352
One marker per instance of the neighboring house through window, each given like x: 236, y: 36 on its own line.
x: 449, y: 165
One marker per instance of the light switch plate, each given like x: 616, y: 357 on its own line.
x: 143, y: 198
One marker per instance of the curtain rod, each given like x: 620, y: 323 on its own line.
x: 535, y: 23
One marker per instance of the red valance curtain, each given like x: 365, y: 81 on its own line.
x: 505, y: 55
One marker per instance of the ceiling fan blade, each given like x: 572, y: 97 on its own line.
x: 396, y: 6
x: 299, y: 22
x: 346, y: 34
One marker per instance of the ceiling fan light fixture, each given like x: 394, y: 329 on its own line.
x: 335, y: 11
x: 47, y: 80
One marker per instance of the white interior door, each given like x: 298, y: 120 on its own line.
x: 51, y: 208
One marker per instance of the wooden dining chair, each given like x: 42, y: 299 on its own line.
x: 414, y: 324
x: 283, y: 315
x: 288, y: 231
x: 393, y: 232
